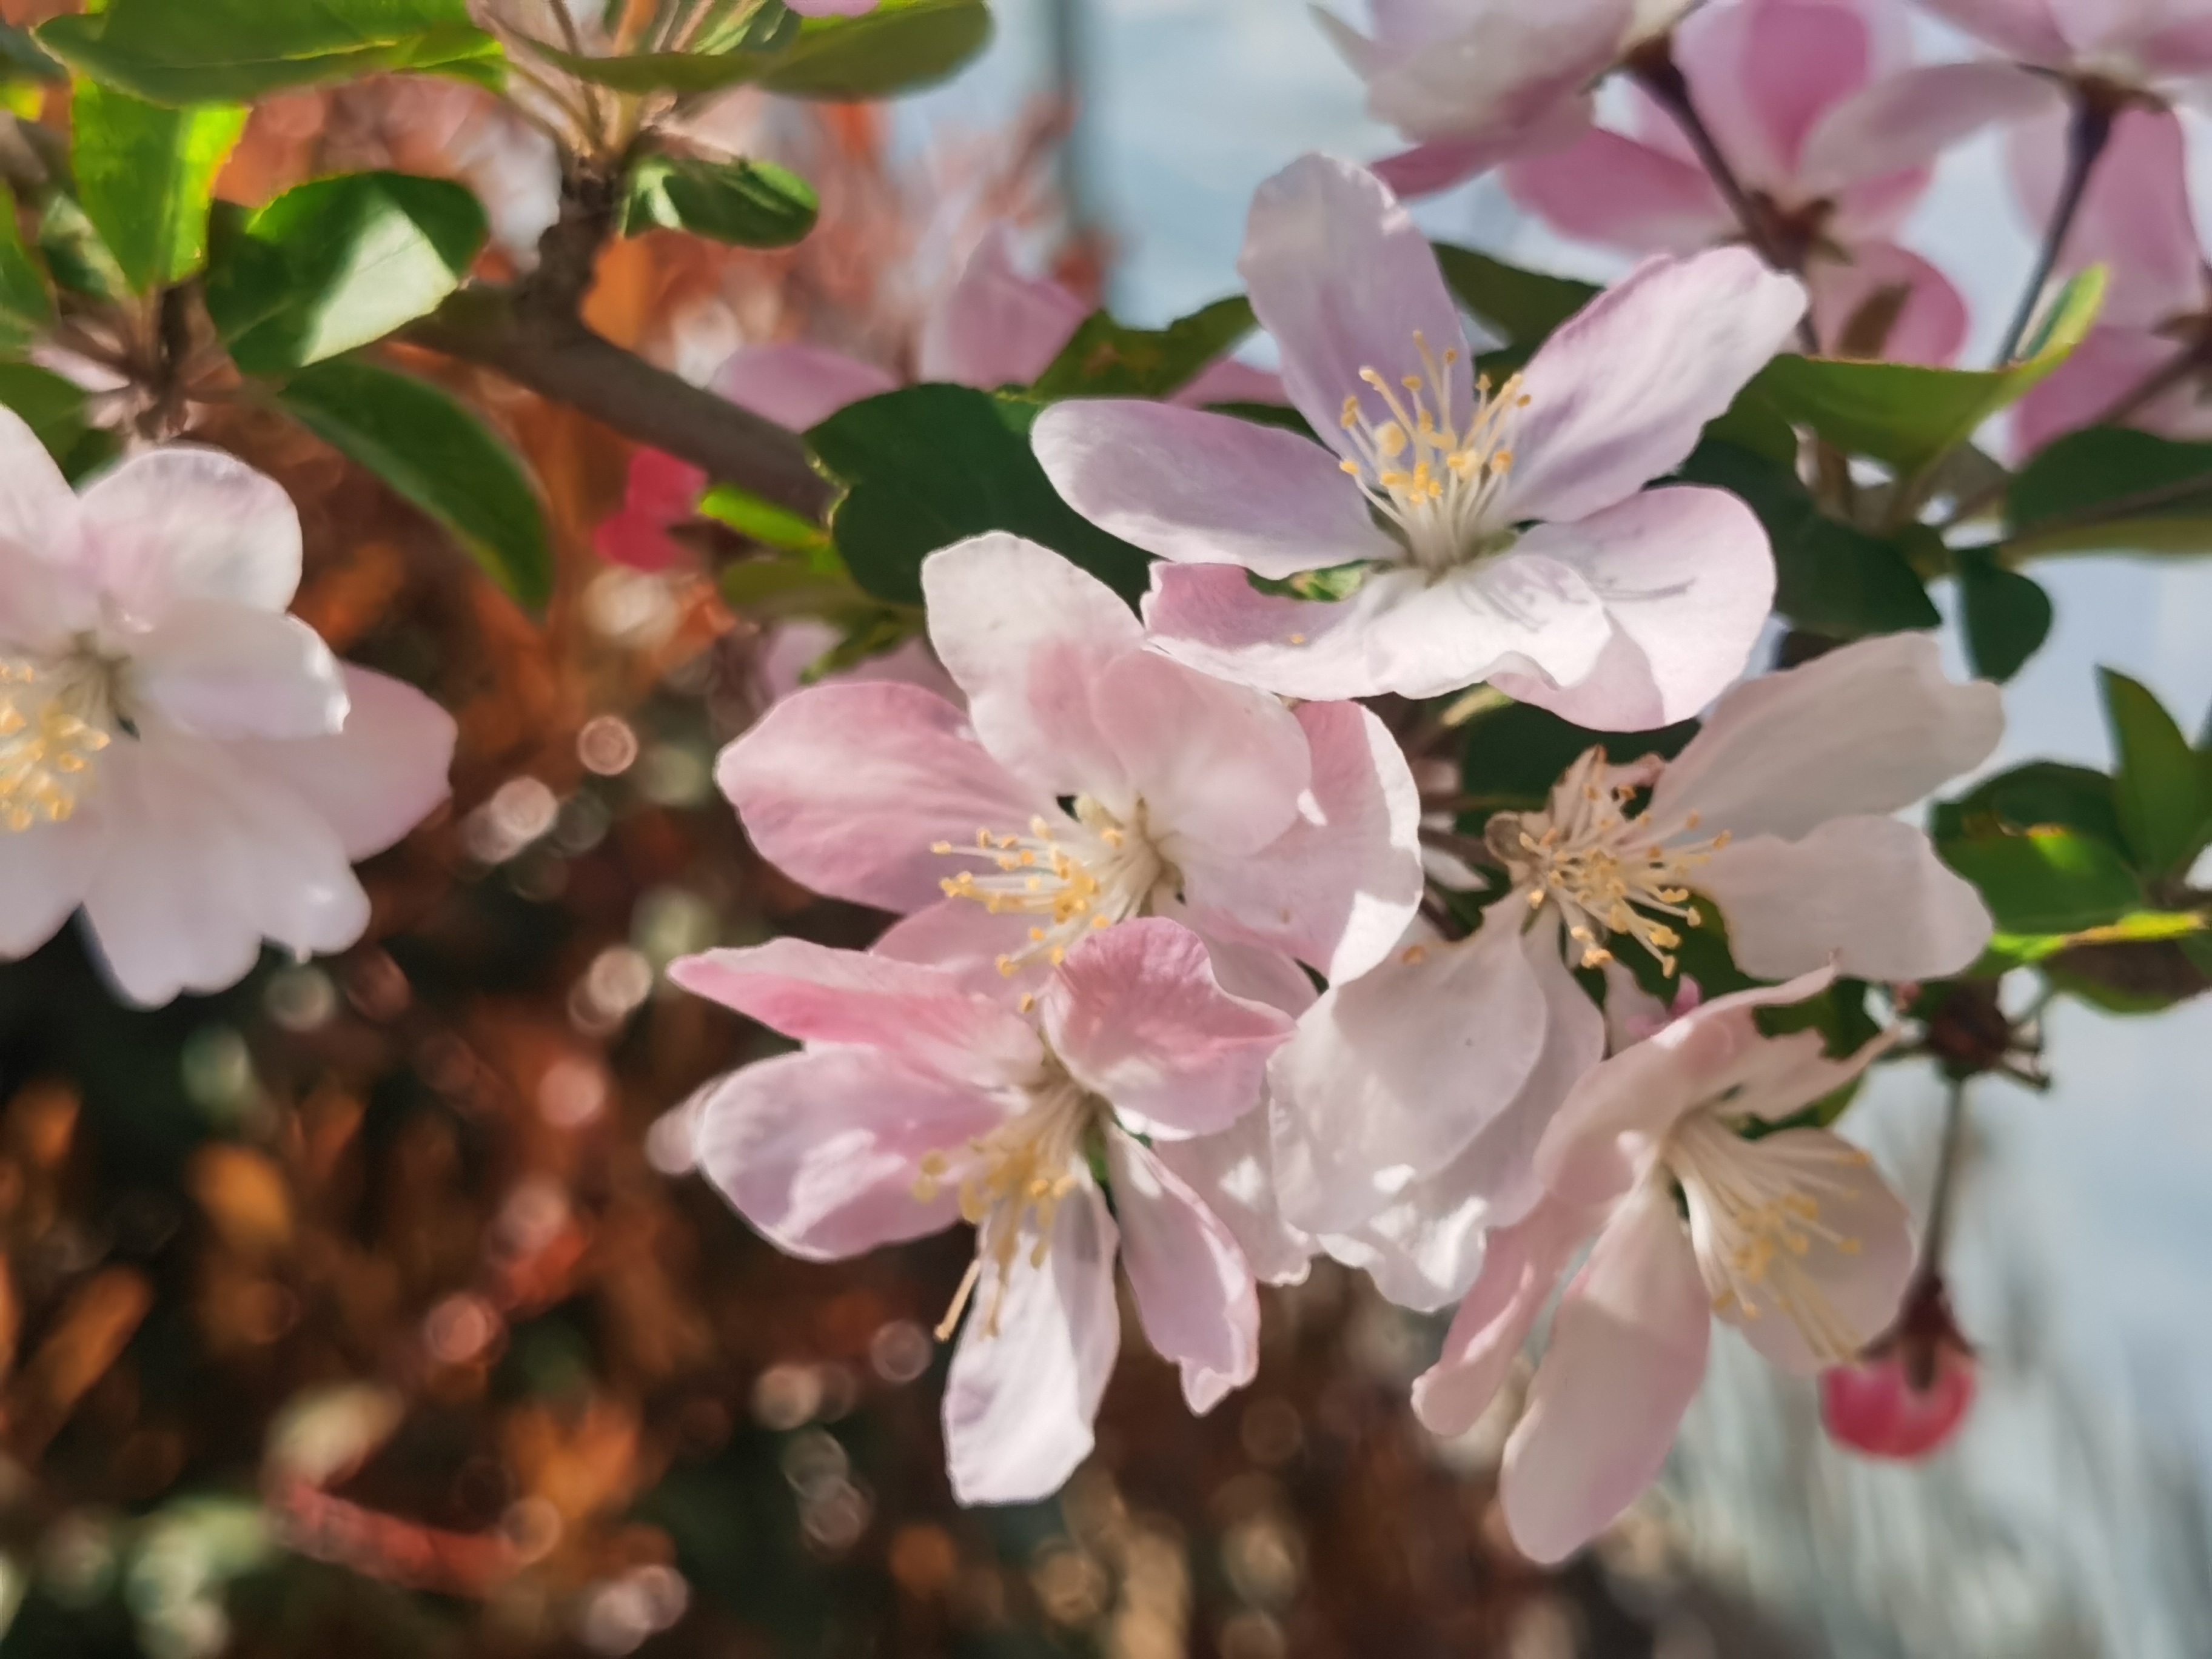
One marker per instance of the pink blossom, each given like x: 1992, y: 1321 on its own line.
x: 2155, y: 46
x: 1618, y: 608
x: 178, y: 757
x: 916, y: 1102
x: 1792, y: 1237
x: 1768, y: 77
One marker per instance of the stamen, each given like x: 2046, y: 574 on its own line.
x: 46, y: 748
x: 1073, y: 875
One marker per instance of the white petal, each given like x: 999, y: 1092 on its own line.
x: 1233, y: 1174
x: 223, y: 670
x: 182, y: 522
x: 1194, y: 1290
x: 379, y: 777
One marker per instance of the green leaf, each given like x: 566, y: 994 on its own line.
x: 1524, y: 305
x: 723, y: 57
x: 1104, y: 359
x: 438, y: 455
x: 52, y: 407
x: 2046, y: 880
x: 1909, y: 415
x: 78, y: 260
x: 22, y: 58
x: 2009, y: 950
x: 925, y: 467
x: 2040, y: 794
x: 1510, y: 756
x: 2112, y: 487
x: 762, y: 521
x: 744, y: 203
x: 2006, y: 616
x: 145, y: 175
x: 198, y: 51
x: 1830, y: 577
x: 2158, y: 786
x: 901, y: 45
x: 336, y: 263
x: 26, y: 306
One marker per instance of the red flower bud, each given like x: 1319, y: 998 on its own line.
x: 1910, y: 1391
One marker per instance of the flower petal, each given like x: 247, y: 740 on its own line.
x: 815, y: 994
x: 1194, y: 1290
x: 2135, y: 218
x: 1393, y: 1075
x: 1621, y: 392
x: 1773, y: 759
x: 847, y: 787
x: 1346, y: 281
x: 1233, y: 1175
x: 1022, y: 1397
x: 1206, y: 489
x: 1338, y: 888
x: 997, y: 327
x: 796, y: 384
x: 1929, y: 327
x: 1867, y: 892
x: 181, y: 522
x: 1505, y: 72
x: 39, y: 524
x: 1908, y: 119
x: 44, y: 871
x: 1610, y: 188
x: 380, y: 775
x: 1685, y: 577
x: 2109, y: 365
x: 1626, y: 1354
x: 820, y: 1150
x: 2025, y: 29
x: 1136, y: 1015
x: 224, y: 670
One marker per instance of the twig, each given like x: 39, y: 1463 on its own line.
x: 2086, y: 134
x: 1940, y: 1205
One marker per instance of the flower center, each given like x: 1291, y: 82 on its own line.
x: 1011, y: 1181
x: 1609, y: 872
x: 1755, y: 1223
x: 55, y: 718
x: 1072, y: 875
x: 1438, y: 481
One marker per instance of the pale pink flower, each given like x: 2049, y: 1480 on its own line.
x: 1794, y: 1238
x: 1413, y: 1097
x: 916, y: 1103
x: 1767, y: 75
x: 1274, y: 833
x: 178, y: 756
x: 1616, y: 607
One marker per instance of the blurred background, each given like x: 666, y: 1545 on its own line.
x: 371, y: 1308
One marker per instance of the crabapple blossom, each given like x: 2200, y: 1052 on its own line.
x: 178, y: 757
x: 1793, y: 1238
x: 1768, y: 77
x: 1618, y: 607
x: 916, y: 1102
x: 1089, y: 780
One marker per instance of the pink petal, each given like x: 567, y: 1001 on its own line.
x: 2024, y: 29
x: 1868, y: 891
x: 1774, y: 760
x: 2109, y: 365
x: 1136, y: 1015
x: 847, y: 787
x: 1021, y: 1398
x: 1621, y: 391
x: 997, y: 327
x: 1339, y: 887
x: 1505, y: 71
x: 2135, y: 219
x: 967, y: 941
x: 1762, y: 74
x: 662, y: 491
x: 1687, y: 579
x: 1520, y: 1270
x: 919, y: 1013
x: 1345, y: 280
x: 1392, y: 1075
x: 1194, y: 1290
x: 379, y: 777
x: 796, y: 384
x: 1608, y: 188
x: 1233, y: 1175
x: 1206, y: 488
x: 1930, y: 328
x: 1443, y: 162
x: 44, y: 879
x: 1908, y: 120
x: 38, y: 517
x: 821, y: 1151
x: 1627, y: 1352
x: 1229, y: 381
x: 186, y: 523
x: 224, y: 670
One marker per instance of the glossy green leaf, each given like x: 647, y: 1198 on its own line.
x: 336, y: 263
x: 197, y: 52
x: 927, y: 465
x: 1523, y: 306
x: 761, y: 521
x: 1104, y: 359
x: 2111, y: 487
x: 26, y: 304
x: 2006, y: 616
x: 2039, y: 794
x: 2158, y: 786
x: 1907, y: 414
x: 2009, y: 951
x: 145, y: 175
x: 53, y: 408
x: 75, y: 257
x: 1829, y: 578
x: 2048, y: 880
x: 901, y: 45
x: 745, y: 204
x: 435, y: 453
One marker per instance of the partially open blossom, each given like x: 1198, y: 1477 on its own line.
x: 916, y: 1103
x: 1502, y: 527
x: 1768, y: 77
x: 1286, y: 834
x: 1907, y: 1395
x: 1792, y: 1237
x: 1477, y: 82
x: 178, y: 756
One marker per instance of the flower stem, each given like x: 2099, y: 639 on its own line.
x: 1947, y: 1178
x: 2087, y: 136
